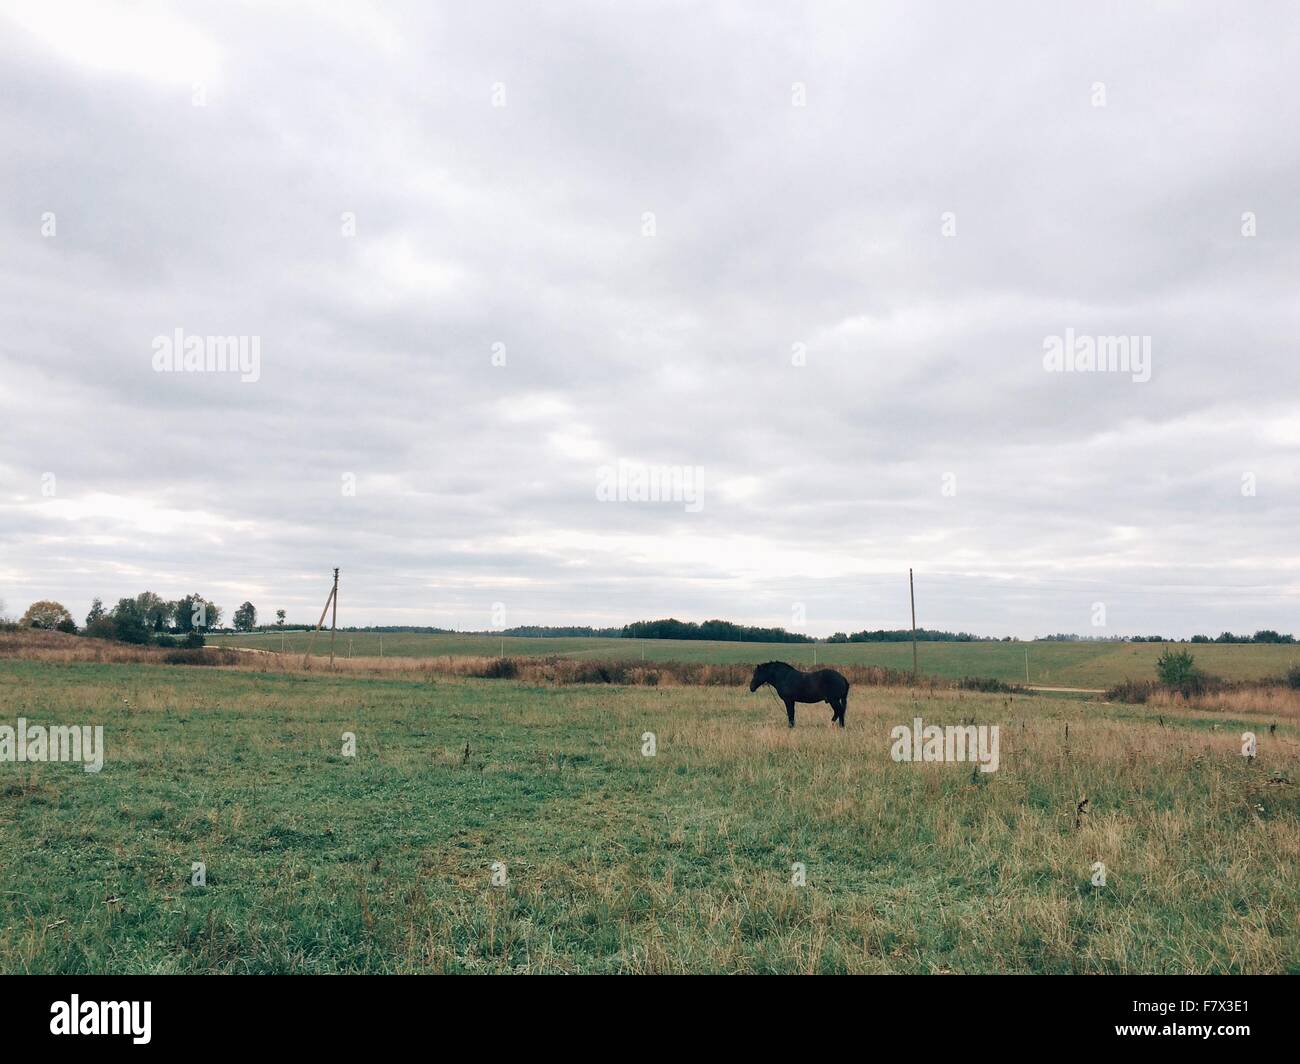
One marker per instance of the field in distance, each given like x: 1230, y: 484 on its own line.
x: 1089, y: 665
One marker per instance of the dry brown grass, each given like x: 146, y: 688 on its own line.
x: 34, y: 644
x: 1261, y: 700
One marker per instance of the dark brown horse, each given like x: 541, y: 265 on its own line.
x: 824, y: 685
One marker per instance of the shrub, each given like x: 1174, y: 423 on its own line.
x: 498, y: 669
x: 210, y: 656
x: 990, y: 686
x: 1132, y: 691
x: 1177, y: 669
x: 1293, y: 677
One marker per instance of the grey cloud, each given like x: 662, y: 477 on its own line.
x: 775, y: 225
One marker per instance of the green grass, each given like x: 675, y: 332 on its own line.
x: 619, y: 862
x: 1095, y: 665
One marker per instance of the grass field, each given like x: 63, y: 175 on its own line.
x: 1092, y: 665
x: 618, y: 862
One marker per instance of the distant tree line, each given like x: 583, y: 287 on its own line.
x: 671, y: 628
x: 145, y: 618
x: 1071, y: 637
x: 898, y: 635
x: 550, y: 631
x: 1264, y: 635
x: 416, y: 629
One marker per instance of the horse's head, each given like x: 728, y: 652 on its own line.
x: 762, y: 675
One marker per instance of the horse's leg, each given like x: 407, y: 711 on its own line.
x: 789, y: 710
x: 843, y: 705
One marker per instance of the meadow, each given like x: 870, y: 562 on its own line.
x: 1083, y: 665
x: 613, y: 861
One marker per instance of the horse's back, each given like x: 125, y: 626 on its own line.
x: 831, y: 679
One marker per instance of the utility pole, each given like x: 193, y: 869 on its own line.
x: 335, y: 615
x: 311, y: 643
x: 911, y: 590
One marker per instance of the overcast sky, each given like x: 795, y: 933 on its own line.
x: 817, y: 253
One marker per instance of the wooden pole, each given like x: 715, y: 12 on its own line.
x: 911, y: 590
x: 335, y: 615
x: 311, y: 643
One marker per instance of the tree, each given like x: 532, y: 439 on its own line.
x: 245, y: 618
x: 194, y: 613
x: 184, y: 612
x: 96, y: 611
x: 279, y: 618
x: 129, y: 624
x: 156, y: 610
x: 46, y: 614
x: 1176, y: 669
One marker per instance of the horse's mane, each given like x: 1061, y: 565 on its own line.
x: 778, y: 664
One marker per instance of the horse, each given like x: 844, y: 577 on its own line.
x: 824, y: 685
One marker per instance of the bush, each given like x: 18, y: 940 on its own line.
x: 164, y: 640
x: 211, y: 656
x: 1132, y: 691
x: 990, y: 686
x: 1293, y: 677
x: 498, y: 669
x: 193, y: 640
x: 1177, y: 669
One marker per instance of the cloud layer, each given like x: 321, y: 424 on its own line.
x: 814, y: 252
